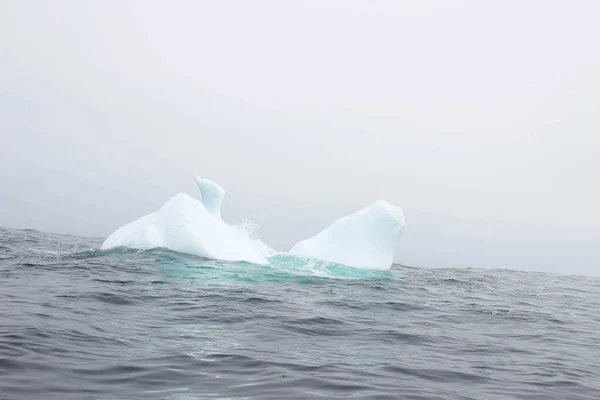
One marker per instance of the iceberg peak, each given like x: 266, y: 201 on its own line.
x: 212, y: 195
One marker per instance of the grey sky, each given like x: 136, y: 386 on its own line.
x: 480, y: 119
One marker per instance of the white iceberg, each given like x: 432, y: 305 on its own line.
x: 365, y: 239
x: 187, y: 225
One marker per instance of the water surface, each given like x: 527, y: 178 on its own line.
x: 81, y: 323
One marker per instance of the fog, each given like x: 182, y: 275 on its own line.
x: 481, y: 120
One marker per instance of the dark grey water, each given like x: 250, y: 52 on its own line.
x: 76, y: 322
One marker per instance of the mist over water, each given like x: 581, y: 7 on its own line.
x: 79, y: 322
x: 479, y: 119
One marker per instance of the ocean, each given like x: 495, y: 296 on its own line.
x: 77, y: 322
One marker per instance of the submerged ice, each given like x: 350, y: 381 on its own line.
x: 365, y: 239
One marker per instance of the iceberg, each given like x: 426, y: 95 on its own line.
x: 365, y: 239
x: 187, y: 225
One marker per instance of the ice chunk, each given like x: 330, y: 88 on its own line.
x: 212, y: 195
x: 365, y: 239
x: 186, y: 225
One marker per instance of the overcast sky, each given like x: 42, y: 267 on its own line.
x: 481, y: 119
